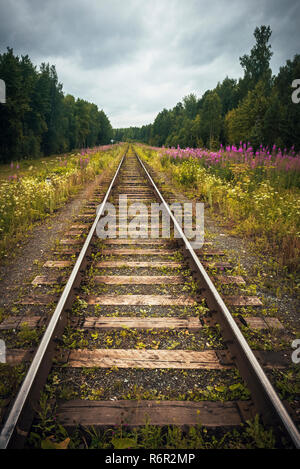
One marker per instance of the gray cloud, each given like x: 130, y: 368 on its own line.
x: 134, y: 57
x: 95, y: 33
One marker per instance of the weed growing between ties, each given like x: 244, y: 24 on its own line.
x: 47, y: 433
x: 11, y: 378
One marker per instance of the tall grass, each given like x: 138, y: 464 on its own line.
x: 35, y: 192
x: 261, y: 201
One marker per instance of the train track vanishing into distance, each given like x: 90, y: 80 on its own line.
x: 140, y: 287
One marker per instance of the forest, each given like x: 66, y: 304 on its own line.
x: 256, y: 108
x: 38, y: 118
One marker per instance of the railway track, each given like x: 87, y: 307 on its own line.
x: 135, y: 315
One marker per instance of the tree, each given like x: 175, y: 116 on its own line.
x: 289, y: 126
x: 257, y: 108
x: 12, y: 114
x: 161, y: 127
x: 246, y: 121
x: 71, y: 122
x: 228, y: 94
x: 38, y: 119
x: 257, y: 65
x: 105, y: 129
x: 211, y: 118
x: 190, y: 106
x: 273, y: 121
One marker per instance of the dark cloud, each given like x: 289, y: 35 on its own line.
x: 134, y: 57
x: 95, y: 33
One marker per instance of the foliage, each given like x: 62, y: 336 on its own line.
x: 38, y: 119
x: 35, y: 192
x: 257, y: 191
x: 257, y: 65
x: 252, y: 435
x: 256, y: 108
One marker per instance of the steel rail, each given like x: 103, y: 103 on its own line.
x: 264, y: 396
x: 21, y: 413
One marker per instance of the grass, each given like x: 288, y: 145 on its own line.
x: 255, y: 202
x: 47, y: 433
x: 39, y: 187
x: 11, y: 378
x: 150, y: 339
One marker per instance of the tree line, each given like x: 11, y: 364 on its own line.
x: 38, y: 119
x: 257, y: 108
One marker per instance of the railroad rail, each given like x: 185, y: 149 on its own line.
x: 133, y: 178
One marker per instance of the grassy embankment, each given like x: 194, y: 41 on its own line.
x: 257, y: 194
x: 33, y: 189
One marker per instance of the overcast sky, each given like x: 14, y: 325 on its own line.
x: 135, y: 57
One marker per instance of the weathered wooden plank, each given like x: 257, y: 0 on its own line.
x: 132, y: 191
x: 216, y: 265
x: 150, y: 300
x: 132, y: 358
x: 86, y: 215
x: 122, y: 226
x: 17, y: 322
x: 11, y: 322
x: 154, y: 264
x: 89, y: 210
x: 74, y: 233
x: 71, y: 241
x: 134, y: 242
x: 58, y: 264
x: 128, y: 218
x: 201, y: 252
x: 139, y: 279
x: 255, y: 323
x: 137, y: 252
x: 138, y: 197
x: 273, y: 323
x: 131, y: 187
x: 67, y: 251
x: 263, y: 323
x: 45, y: 280
x: 77, y: 226
x: 231, y: 279
x: 242, y: 300
x: 142, y: 241
x: 120, y: 322
x: 38, y: 300
x: 31, y: 322
x: 17, y: 356
x: 141, y: 186
x: 138, y: 413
